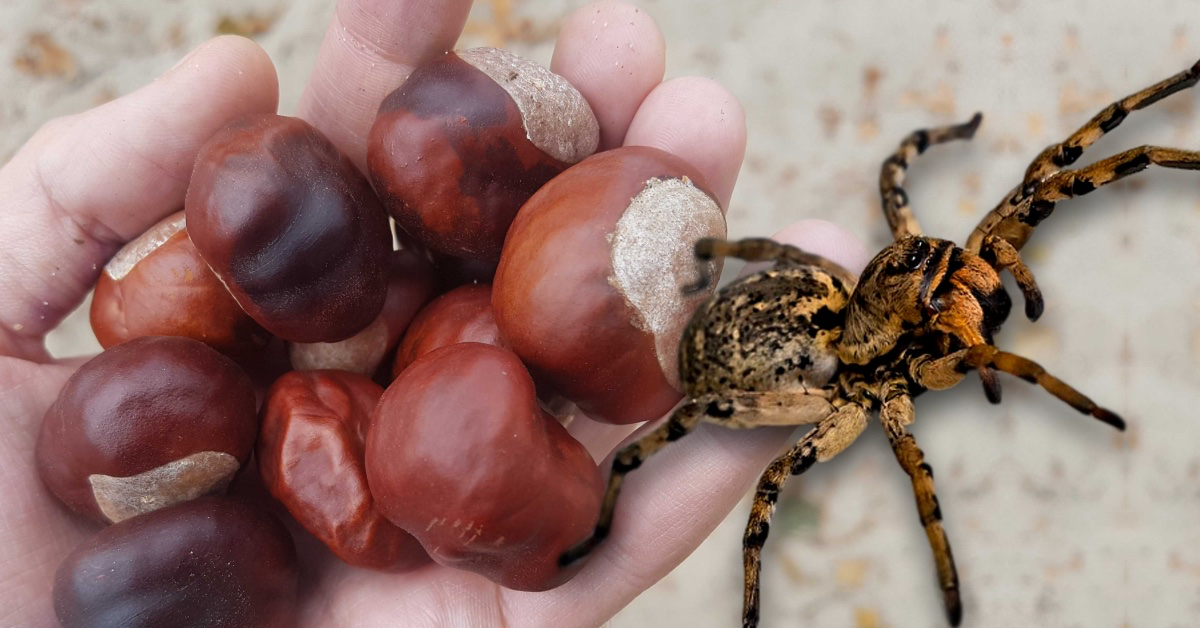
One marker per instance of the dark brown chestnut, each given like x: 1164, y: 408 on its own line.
x: 213, y: 561
x: 466, y: 139
x: 158, y: 285
x: 146, y: 424
x: 310, y: 456
x: 460, y: 454
x: 291, y: 227
x: 589, y: 291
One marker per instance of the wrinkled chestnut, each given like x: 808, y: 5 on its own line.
x: 310, y: 456
x: 589, y: 288
x: 291, y: 227
x: 146, y: 424
x: 158, y: 285
x: 461, y: 315
x: 213, y: 561
x: 466, y: 139
x: 461, y: 456
x: 411, y: 284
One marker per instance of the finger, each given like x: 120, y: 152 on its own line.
x: 87, y: 183
x: 830, y: 240
x: 598, y: 437
x: 371, y: 46
x: 614, y: 54
x: 699, y: 120
x: 678, y: 496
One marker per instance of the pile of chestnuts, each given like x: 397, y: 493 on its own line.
x: 414, y: 378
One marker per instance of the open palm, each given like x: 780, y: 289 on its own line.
x: 86, y: 184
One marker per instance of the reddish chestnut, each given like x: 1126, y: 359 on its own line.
x: 466, y: 139
x: 146, y: 424
x: 460, y: 455
x: 589, y: 288
x: 461, y: 315
x: 310, y: 456
x: 208, y: 562
x: 411, y: 284
x: 291, y: 226
x: 158, y: 285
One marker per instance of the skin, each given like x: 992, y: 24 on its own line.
x: 85, y: 184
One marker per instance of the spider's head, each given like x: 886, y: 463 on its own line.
x: 922, y: 285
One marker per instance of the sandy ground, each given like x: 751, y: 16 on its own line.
x: 1055, y: 521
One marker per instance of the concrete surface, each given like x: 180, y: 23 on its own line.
x: 1055, y: 521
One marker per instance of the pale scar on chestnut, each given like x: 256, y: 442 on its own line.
x: 807, y: 343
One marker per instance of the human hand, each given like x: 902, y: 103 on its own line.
x: 85, y: 184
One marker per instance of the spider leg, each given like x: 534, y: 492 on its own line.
x: 1005, y: 256
x: 823, y: 442
x: 897, y: 412
x: 939, y: 373
x: 1030, y: 371
x: 891, y: 176
x: 733, y: 409
x: 1065, y: 153
x: 758, y: 250
x: 1018, y: 225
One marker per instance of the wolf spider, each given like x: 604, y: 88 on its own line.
x: 806, y: 343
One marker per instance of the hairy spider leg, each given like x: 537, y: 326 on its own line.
x: 758, y: 250
x: 899, y: 215
x: 1009, y: 232
x: 1032, y: 372
x: 1004, y: 256
x: 897, y: 412
x: 733, y: 409
x: 1057, y: 156
x: 823, y: 442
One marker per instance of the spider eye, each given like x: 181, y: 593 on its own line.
x: 916, y: 255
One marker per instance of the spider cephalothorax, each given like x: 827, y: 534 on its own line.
x: 807, y: 343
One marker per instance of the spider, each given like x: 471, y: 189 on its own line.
x: 807, y: 343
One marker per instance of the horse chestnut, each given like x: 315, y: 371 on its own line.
x: 158, y: 285
x: 466, y: 139
x: 292, y: 228
x: 460, y: 455
x: 213, y: 561
x: 589, y: 287
x: 462, y: 315
x: 310, y: 456
x: 148, y: 423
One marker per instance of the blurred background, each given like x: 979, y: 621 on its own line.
x: 1055, y: 520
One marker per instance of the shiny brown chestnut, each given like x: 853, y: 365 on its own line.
x: 467, y: 138
x: 462, y: 315
x: 213, y: 561
x: 292, y: 228
x: 310, y: 456
x: 589, y: 291
x: 158, y: 285
x: 148, y: 423
x: 460, y: 455
x: 411, y: 284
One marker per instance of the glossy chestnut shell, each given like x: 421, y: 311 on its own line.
x: 145, y: 424
x: 213, y: 561
x: 460, y: 454
x: 291, y: 227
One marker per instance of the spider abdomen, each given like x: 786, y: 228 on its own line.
x: 774, y: 330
